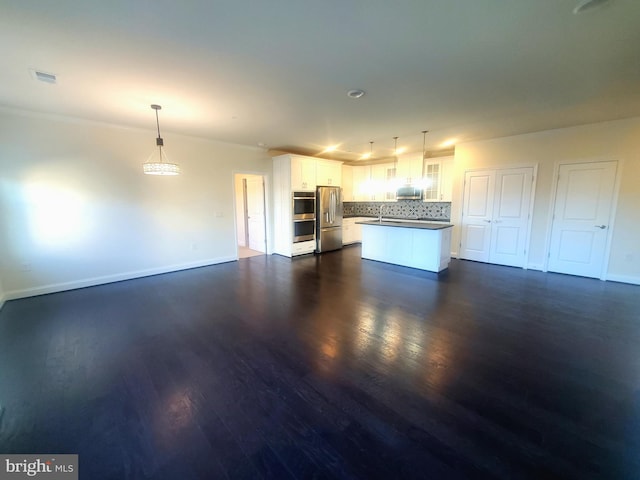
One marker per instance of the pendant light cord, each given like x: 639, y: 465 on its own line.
x: 424, y: 143
x: 157, y: 122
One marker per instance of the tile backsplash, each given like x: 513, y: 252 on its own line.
x: 401, y: 209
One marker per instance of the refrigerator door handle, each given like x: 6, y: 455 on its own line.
x: 332, y: 206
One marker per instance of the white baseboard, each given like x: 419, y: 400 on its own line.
x: 535, y: 266
x: 623, y: 279
x: 118, y: 277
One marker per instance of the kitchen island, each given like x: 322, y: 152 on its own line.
x: 422, y: 245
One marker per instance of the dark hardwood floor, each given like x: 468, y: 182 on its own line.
x: 328, y: 367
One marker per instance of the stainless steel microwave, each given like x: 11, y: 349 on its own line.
x: 409, y: 193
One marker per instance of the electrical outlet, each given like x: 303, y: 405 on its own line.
x: 628, y: 257
x: 25, y: 267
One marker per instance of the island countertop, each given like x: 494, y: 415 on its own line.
x: 407, y: 224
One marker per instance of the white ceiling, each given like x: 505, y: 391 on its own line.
x: 277, y: 72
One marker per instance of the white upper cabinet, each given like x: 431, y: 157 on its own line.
x: 329, y: 173
x: 383, y: 183
x: 437, y: 179
x: 432, y: 180
x: 446, y: 182
x: 303, y: 173
x: 347, y: 183
x: 308, y: 172
x: 374, y: 183
x: 361, y: 176
x: 410, y: 168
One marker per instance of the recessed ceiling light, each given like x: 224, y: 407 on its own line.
x: 449, y: 143
x: 355, y: 93
x: 330, y: 148
x: 588, y: 5
x: 43, y: 76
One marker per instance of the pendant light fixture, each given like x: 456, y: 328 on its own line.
x: 395, y: 157
x: 424, y: 154
x: 162, y: 166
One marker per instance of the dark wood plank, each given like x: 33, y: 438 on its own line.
x: 328, y: 367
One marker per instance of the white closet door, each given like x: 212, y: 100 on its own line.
x: 581, y: 218
x: 510, y: 221
x: 495, y: 218
x: 479, y: 189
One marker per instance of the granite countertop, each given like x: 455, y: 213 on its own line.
x: 407, y: 224
x: 398, y: 219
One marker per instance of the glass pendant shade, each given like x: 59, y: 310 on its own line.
x: 162, y: 166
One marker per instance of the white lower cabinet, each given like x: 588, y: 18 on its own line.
x: 351, y: 231
x: 300, y: 248
x: 410, y: 247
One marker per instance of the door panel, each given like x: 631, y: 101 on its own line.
x: 584, y: 196
x: 509, y: 202
x: 255, y: 212
x: 570, y: 238
x: 507, y: 240
x: 510, y: 221
x: 478, y: 205
x: 475, y: 242
x: 495, y: 222
x: 480, y: 195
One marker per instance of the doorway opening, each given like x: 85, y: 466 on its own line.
x: 250, y: 215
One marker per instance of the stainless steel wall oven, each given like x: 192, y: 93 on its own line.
x: 304, y: 205
x: 304, y: 216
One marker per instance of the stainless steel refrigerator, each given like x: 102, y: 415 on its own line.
x: 328, y: 219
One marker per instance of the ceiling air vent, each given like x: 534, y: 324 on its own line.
x: 44, y: 76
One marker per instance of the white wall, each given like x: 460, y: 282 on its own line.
x: 619, y: 140
x: 75, y: 208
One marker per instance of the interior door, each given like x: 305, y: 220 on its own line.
x: 255, y: 213
x: 510, y: 219
x: 495, y: 217
x: 479, y: 189
x: 581, y: 217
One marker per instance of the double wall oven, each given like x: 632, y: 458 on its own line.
x: 304, y: 216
